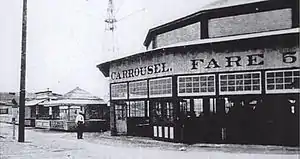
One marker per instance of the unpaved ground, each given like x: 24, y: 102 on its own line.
x: 52, y: 144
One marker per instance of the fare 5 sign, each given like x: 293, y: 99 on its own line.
x: 236, y: 61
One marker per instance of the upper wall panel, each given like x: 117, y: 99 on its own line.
x: 184, y: 34
x: 250, y: 23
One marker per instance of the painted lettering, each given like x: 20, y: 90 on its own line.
x: 130, y: 73
x: 124, y: 73
x: 112, y: 76
x: 195, y: 63
x: 118, y: 75
x: 150, y: 70
x: 157, y: 68
x: 233, y: 59
x: 136, y: 72
x: 212, y: 62
x: 289, y: 57
x: 253, y: 61
x: 141, y: 71
x: 164, y: 69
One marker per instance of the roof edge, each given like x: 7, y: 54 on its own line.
x: 104, y: 67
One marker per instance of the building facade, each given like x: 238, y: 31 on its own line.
x: 229, y: 73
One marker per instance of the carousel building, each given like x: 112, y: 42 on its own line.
x: 229, y: 73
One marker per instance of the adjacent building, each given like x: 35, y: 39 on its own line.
x: 8, y: 106
x: 35, y: 106
x: 64, y: 110
x: 229, y: 73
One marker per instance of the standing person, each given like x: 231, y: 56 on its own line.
x: 80, y: 124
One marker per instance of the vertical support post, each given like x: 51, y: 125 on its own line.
x: 68, y: 113
x: 204, y: 28
x: 21, y: 137
x: 14, y: 127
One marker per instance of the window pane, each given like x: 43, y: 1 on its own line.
x: 270, y: 87
x: 198, y: 84
x: 137, y: 109
x: 240, y: 82
x: 270, y: 74
x: 161, y: 86
x: 283, y: 80
x: 119, y: 91
x: 138, y: 89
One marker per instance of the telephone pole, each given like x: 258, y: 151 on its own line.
x: 111, y: 23
x: 21, y: 135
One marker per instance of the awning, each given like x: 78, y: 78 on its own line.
x: 34, y: 102
x: 73, y: 102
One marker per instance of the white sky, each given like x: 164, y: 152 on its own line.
x: 66, y: 39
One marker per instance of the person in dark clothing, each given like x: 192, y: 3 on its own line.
x: 80, y: 125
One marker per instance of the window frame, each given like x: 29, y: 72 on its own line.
x: 133, y: 112
x: 139, y: 96
x: 199, y: 93
x: 276, y: 91
x: 160, y: 95
x: 115, y: 84
x: 241, y: 92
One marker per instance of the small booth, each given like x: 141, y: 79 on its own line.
x: 63, y: 112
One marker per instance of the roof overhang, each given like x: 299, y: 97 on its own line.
x: 34, y: 102
x: 74, y: 102
x: 104, y: 68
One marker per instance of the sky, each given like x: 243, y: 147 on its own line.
x: 66, y: 39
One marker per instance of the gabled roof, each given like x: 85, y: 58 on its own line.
x: 76, y: 96
x: 79, y: 93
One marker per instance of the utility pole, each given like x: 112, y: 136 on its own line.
x: 21, y: 135
x: 111, y: 23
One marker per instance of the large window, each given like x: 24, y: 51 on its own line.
x: 137, y: 109
x: 119, y: 91
x: 283, y: 81
x: 138, y: 89
x: 161, y: 87
x: 196, y: 85
x: 240, y: 83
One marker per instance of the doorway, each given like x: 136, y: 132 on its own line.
x: 163, y: 116
x: 121, y: 117
x: 198, y: 118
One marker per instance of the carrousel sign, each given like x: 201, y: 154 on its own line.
x: 137, y: 68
